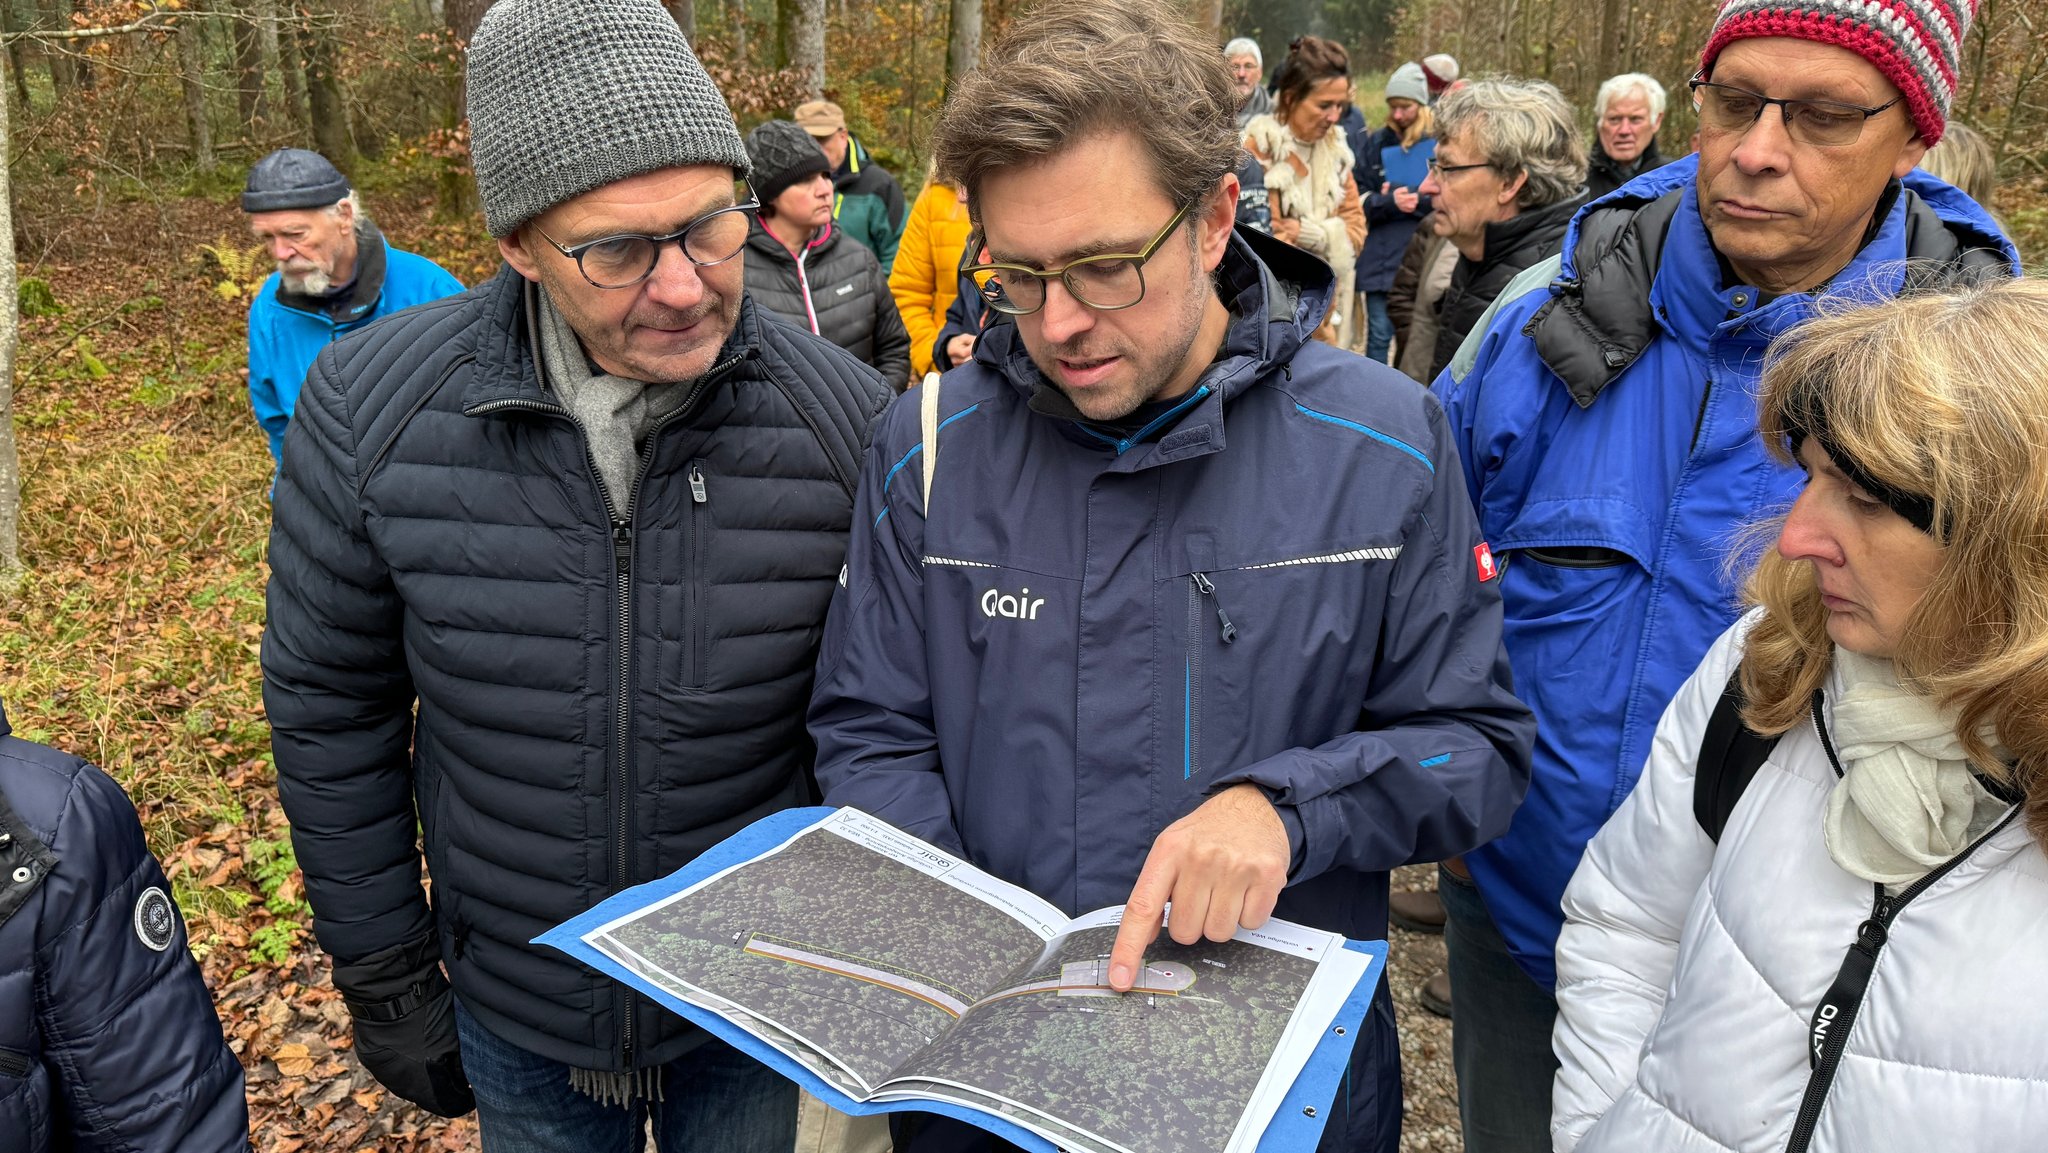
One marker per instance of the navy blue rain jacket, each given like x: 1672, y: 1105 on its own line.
x: 1387, y: 229
x: 108, y: 1038
x: 1042, y: 676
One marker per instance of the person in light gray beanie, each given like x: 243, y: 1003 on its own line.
x: 547, y: 124
x: 531, y: 504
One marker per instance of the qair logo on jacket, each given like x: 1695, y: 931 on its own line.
x: 1019, y: 607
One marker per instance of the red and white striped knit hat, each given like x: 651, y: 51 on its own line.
x: 1917, y: 44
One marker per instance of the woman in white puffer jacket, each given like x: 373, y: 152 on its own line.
x: 1856, y: 966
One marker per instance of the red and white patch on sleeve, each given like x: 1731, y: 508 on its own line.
x: 1482, y: 558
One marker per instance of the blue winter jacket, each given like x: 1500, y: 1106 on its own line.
x: 287, y: 330
x: 1606, y: 418
x: 1093, y: 634
x: 108, y: 1038
x: 1273, y: 581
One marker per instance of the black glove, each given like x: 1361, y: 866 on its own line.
x: 404, y: 1016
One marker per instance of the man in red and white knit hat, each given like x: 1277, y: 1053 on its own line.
x: 1605, y: 415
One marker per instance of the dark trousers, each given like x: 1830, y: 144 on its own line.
x: 715, y: 1099
x: 1500, y: 1031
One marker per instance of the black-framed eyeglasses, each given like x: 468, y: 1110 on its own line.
x: 1438, y: 168
x: 1104, y: 283
x: 628, y: 258
x: 1821, y: 123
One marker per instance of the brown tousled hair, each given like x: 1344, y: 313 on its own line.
x: 1070, y: 69
x: 1943, y: 395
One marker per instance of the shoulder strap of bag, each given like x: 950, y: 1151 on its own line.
x: 928, y: 418
x: 1730, y: 755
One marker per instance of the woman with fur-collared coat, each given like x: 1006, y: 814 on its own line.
x: 1308, y: 168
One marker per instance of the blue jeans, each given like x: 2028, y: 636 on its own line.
x: 715, y: 1099
x: 1379, y: 327
x: 1500, y: 1030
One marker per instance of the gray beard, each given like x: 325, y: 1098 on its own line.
x: 315, y: 283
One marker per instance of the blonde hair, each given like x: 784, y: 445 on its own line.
x: 1421, y: 128
x: 1943, y: 395
x: 1963, y: 158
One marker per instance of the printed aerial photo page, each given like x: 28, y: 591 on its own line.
x: 896, y: 972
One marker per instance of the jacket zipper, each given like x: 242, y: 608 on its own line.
x: 622, y: 568
x: 693, y: 599
x: 13, y: 1064
x: 1699, y: 419
x: 1199, y: 588
x: 1828, y: 1031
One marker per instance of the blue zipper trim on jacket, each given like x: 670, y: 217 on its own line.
x: 1151, y: 426
x: 1187, y: 722
x: 1374, y: 433
x: 1433, y: 762
x: 914, y: 450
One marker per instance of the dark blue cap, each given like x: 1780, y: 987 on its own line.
x: 293, y: 178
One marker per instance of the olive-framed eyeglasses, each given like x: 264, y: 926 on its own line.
x: 1821, y: 123
x: 1105, y: 282
x: 628, y: 258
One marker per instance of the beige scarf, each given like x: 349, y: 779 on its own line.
x: 1907, y: 800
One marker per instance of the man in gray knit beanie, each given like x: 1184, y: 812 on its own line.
x: 550, y: 561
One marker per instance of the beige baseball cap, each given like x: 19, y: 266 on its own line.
x: 819, y: 117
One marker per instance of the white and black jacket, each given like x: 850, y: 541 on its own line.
x: 1692, y: 976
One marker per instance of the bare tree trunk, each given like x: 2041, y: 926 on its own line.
x: 55, y: 15
x: 192, y: 79
x: 963, y: 43
x: 736, y: 10
x: 800, y: 41
x: 10, y: 340
x: 462, y: 16
x: 325, y: 104
x: 252, y: 71
x: 291, y: 64
x: 1613, y: 26
x: 1212, y: 19
x: 685, y: 13
x: 10, y: 23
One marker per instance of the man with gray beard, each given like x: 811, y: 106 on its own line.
x: 335, y: 273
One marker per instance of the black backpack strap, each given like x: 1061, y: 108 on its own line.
x: 1730, y: 755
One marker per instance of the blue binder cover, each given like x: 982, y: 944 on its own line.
x: 1296, y: 1126
x: 1406, y: 169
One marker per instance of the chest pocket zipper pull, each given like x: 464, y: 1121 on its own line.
x: 697, y: 492
x: 1225, y: 629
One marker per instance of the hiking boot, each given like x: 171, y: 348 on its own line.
x: 1418, y: 911
x: 1435, y: 993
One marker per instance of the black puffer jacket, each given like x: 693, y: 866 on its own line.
x: 596, y: 704
x: 839, y: 291
x: 1604, y: 173
x: 1511, y: 245
x: 108, y: 1038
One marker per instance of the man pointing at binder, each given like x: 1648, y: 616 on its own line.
x: 1156, y: 601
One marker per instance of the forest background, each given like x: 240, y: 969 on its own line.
x: 133, y: 519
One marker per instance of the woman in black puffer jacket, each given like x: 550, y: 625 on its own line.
x: 800, y: 266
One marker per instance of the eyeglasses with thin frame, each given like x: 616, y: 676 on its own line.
x: 1105, y: 283
x: 1438, y: 168
x: 626, y: 259
x: 1821, y: 123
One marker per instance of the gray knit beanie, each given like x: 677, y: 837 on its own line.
x: 570, y: 95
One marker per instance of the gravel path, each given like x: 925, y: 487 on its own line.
x: 1429, y: 1086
